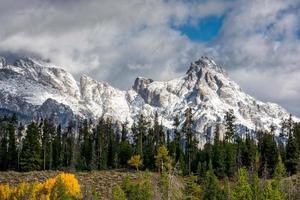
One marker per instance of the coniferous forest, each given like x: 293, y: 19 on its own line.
x: 260, y: 166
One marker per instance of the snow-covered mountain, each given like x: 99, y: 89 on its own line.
x: 34, y: 88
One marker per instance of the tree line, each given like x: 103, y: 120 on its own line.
x: 43, y: 145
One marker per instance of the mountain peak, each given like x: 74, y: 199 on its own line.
x: 204, y: 62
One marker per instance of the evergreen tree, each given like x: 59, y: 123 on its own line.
x: 85, y: 146
x: 218, y: 155
x: 102, y: 144
x: 125, y: 151
x: 111, y: 146
x: 140, y: 130
x: 249, y: 153
x: 272, y: 191
x: 57, y: 148
x: 12, y: 148
x: 280, y: 170
x: 3, y: 147
x: 292, y: 154
x: 21, y: 129
x: 68, y: 146
x: 177, y: 139
x: 242, y: 190
x: 48, y: 131
x: 256, y: 189
x: 269, y: 154
x: 211, y: 188
x: 229, y: 159
x: 229, y: 123
x: 191, y: 142
x: 158, y: 134
x: 31, y: 151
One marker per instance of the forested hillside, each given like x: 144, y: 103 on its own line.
x: 229, y: 166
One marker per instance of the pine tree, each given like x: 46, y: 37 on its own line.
x: 48, y: 131
x: 85, y: 146
x: 229, y: 123
x: 269, y: 154
x: 218, y: 155
x: 3, y: 147
x: 191, y: 142
x: 211, y: 188
x: 68, y: 146
x: 280, y: 170
x: 292, y: 154
x: 242, y: 190
x: 57, y: 147
x: 125, y: 150
x: 12, y: 148
x: 21, y: 129
x: 31, y: 151
x: 272, y: 191
x: 177, y: 138
x: 158, y: 133
x: 249, y: 153
x: 111, y: 144
x: 140, y: 130
x: 256, y: 189
x: 229, y: 159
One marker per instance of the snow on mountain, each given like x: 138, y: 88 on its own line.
x: 37, y: 88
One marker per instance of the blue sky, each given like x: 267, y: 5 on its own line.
x: 203, y: 30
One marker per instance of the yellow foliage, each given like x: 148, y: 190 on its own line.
x: 135, y: 161
x: 21, y: 191
x: 66, y: 187
x: 5, y: 192
x: 63, y: 186
x: 162, y: 159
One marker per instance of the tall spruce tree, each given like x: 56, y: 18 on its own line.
x: 212, y: 190
x: 218, y: 154
x: 269, y: 155
x: 242, y: 190
x: 177, y: 138
x: 48, y: 131
x: 125, y: 151
x: 229, y: 123
x: 12, y: 147
x: 31, y: 151
x: 57, y: 148
x: 68, y: 141
x: 3, y: 146
x: 292, y: 155
x: 191, y: 141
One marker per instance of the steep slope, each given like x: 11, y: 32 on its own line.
x: 36, y: 88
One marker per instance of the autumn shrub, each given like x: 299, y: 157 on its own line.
x: 5, y: 192
x: 64, y: 186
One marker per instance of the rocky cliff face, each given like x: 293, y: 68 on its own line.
x: 36, y: 88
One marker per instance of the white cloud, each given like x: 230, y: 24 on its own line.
x: 115, y: 41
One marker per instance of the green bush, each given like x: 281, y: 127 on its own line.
x: 118, y: 193
x: 140, y: 189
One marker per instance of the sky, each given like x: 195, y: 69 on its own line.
x: 114, y: 41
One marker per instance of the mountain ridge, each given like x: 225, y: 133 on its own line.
x: 41, y: 89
